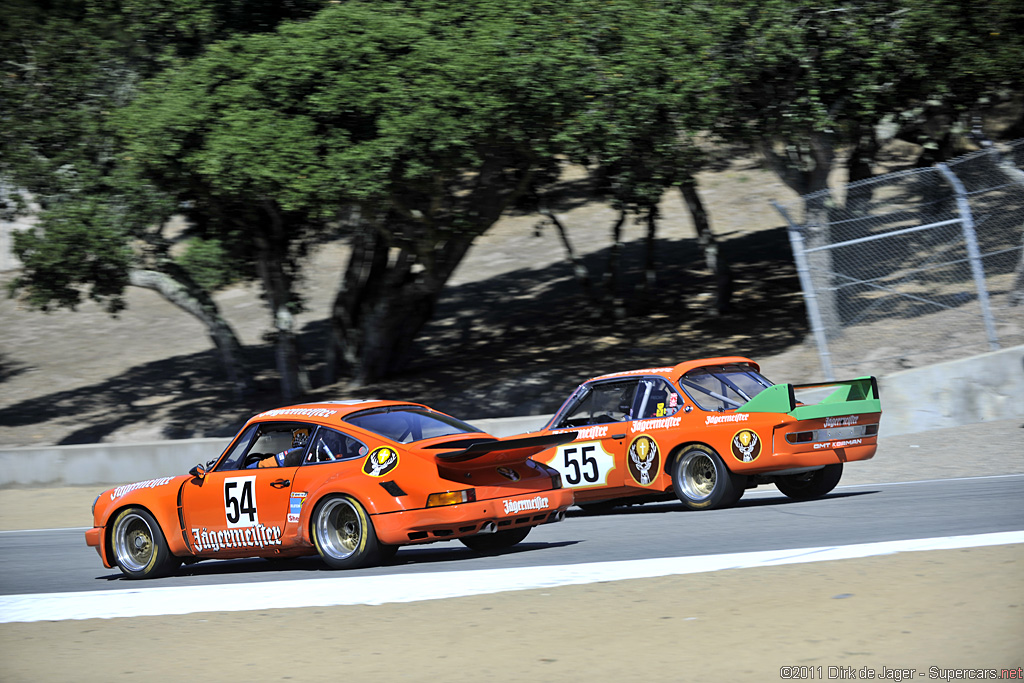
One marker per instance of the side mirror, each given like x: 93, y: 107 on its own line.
x: 199, y: 471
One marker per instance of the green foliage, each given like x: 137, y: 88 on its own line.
x: 209, y: 264
x: 76, y: 242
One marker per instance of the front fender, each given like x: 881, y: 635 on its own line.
x: 160, y: 497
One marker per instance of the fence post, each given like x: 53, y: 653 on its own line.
x: 973, y: 253
x: 796, y: 241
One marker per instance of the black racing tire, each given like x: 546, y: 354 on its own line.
x: 139, y: 546
x: 811, y: 485
x: 499, y: 540
x: 703, y: 482
x: 343, y: 533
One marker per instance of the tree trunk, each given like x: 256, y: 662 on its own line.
x: 805, y: 170
x: 579, y: 269
x: 612, y: 270
x: 272, y: 247
x: 709, y: 245
x: 193, y: 300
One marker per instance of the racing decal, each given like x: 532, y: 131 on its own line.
x: 304, y: 412
x: 642, y: 458
x: 839, y: 444
x: 735, y: 417
x: 746, y: 446
x: 380, y: 461
x: 258, y: 536
x: 128, y: 488
x: 295, y: 501
x: 673, y: 400
x: 240, y: 502
x: 648, y: 425
x: 661, y: 410
x: 583, y: 464
x: 586, y: 433
x: 648, y: 371
x: 509, y: 473
x: 514, y: 507
x: 841, y: 421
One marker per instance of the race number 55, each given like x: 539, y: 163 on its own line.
x: 240, y: 502
x: 583, y: 464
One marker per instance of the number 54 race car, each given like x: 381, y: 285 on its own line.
x: 706, y: 431
x: 350, y: 481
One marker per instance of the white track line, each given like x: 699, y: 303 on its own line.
x: 376, y: 590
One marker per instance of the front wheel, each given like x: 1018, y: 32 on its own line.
x: 810, y: 485
x: 140, y: 549
x: 703, y: 482
x: 499, y: 540
x: 343, y: 534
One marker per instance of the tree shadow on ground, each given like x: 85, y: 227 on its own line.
x: 514, y: 344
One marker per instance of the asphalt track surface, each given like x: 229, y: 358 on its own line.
x: 57, y: 560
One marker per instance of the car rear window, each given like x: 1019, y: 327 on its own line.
x: 406, y: 425
x: 723, y: 387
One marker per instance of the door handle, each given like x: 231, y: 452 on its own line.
x: 618, y: 436
x: 280, y: 483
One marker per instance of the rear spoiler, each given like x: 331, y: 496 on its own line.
x: 502, y: 451
x: 851, y: 396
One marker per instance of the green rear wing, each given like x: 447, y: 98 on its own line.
x: 851, y: 396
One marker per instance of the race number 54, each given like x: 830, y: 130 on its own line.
x: 240, y: 501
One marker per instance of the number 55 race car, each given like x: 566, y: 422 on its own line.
x: 350, y: 481
x: 706, y: 431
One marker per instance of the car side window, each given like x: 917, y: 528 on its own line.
x: 601, y: 403
x: 233, y: 460
x: 330, y: 445
x: 656, y: 398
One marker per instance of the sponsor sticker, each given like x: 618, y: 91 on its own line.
x: 148, y: 484
x: 380, y: 461
x: 746, y: 446
x: 718, y: 419
x: 841, y: 421
x: 839, y: 444
x: 258, y: 536
x: 295, y: 501
x: 643, y: 460
x: 514, y: 507
x: 304, y: 412
x: 648, y: 425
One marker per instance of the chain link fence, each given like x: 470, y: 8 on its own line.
x: 914, y: 267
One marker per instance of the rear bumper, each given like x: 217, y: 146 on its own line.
x: 454, y: 521
x: 829, y: 453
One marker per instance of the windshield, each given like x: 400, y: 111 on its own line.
x: 723, y: 387
x: 408, y: 424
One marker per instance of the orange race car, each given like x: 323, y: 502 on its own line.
x: 351, y: 481
x: 706, y: 431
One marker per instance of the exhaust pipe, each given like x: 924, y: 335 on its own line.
x: 488, y: 528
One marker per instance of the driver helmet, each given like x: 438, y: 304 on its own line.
x: 300, y: 436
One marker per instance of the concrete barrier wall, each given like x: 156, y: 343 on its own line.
x: 979, y: 389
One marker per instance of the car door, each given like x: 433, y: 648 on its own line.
x: 240, y: 509
x: 593, y: 464
x: 652, y: 433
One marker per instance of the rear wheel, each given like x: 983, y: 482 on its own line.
x: 810, y: 485
x: 140, y: 549
x: 499, y: 540
x: 343, y: 533
x: 703, y: 482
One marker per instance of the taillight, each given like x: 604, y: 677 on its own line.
x: 451, y: 498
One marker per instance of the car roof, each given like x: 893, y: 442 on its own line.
x: 327, y: 412
x: 681, y: 369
